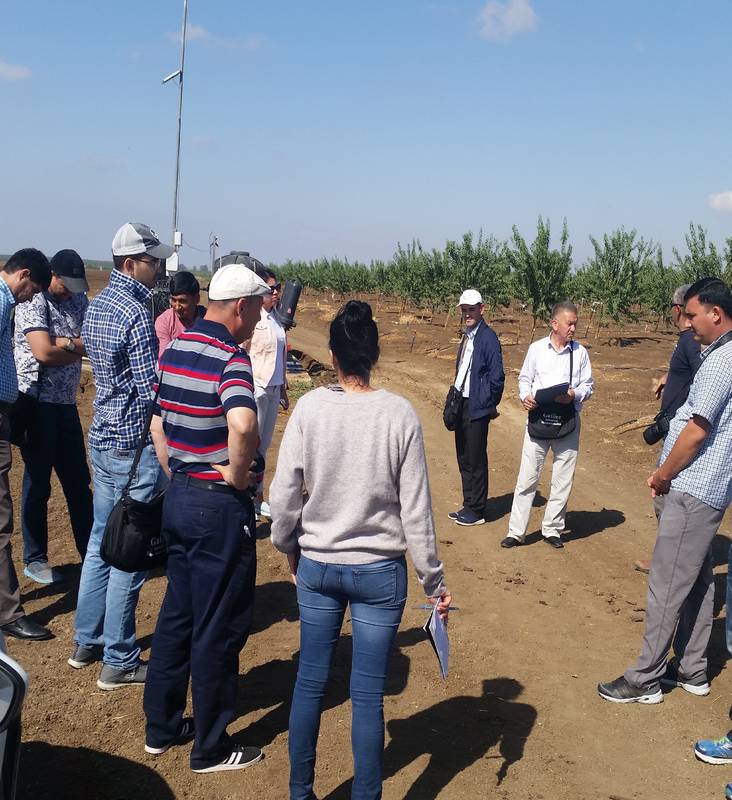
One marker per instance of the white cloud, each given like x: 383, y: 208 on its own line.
x: 722, y: 201
x: 502, y: 20
x: 197, y: 33
x: 13, y: 72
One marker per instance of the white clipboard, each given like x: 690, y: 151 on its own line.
x: 436, y: 631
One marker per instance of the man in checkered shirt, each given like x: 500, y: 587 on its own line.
x: 692, y: 488
x: 120, y: 341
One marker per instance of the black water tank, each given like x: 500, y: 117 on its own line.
x: 284, y: 313
x: 238, y: 257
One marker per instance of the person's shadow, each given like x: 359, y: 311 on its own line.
x: 270, y: 685
x: 70, y: 773
x: 455, y: 734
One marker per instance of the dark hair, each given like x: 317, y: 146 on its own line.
x: 184, y: 283
x: 563, y: 305
x: 713, y: 292
x: 31, y: 259
x: 354, y: 339
x: 265, y: 273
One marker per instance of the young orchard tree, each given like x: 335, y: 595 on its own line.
x: 480, y: 265
x: 658, y: 282
x: 613, y: 272
x: 540, y: 273
x: 702, y: 260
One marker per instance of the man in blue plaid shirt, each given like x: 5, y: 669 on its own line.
x: 120, y: 341
x: 692, y: 488
x: 25, y: 274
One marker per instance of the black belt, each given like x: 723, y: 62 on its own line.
x: 211, y: 486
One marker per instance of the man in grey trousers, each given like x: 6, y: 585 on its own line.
x: 693, y: 486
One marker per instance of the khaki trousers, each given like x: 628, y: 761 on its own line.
x: 533, y: 455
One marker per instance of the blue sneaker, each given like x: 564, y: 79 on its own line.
x: 728, y: 791
x: 453, y: 515
x: 714, y: 751
x: 467, y: 517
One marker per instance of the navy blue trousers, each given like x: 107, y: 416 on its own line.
x: 205, y: 618
x: 56, y: 442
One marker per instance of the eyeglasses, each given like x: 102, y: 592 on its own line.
x: 275, y: 288
x: 155, y: 262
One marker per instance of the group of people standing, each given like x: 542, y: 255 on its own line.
x: 691, y: 487
x: 214, y: 379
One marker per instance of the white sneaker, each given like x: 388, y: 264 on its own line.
x: 264, y: 510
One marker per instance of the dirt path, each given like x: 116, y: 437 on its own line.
x: 537, y: 628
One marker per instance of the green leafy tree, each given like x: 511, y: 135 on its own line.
x: 540, y: 273
x: 613, y: 272
x: 702, y: 260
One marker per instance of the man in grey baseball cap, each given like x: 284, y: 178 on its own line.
x: 120, y: 341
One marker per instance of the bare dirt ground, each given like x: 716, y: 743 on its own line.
x: 519, y: 716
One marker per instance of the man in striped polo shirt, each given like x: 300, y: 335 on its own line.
x: 206, y: 437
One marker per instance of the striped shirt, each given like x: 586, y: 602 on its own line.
x: 203, y: 375
x: 121, y: 344
x: 8, y: 375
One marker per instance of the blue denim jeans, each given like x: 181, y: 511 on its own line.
x: 728, y: 613
x: 376, y: 594
x: 105, y: 611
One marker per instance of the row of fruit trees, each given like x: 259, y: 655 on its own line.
x: 624, y: 279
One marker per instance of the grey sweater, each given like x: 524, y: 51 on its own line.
x: 351, y: 484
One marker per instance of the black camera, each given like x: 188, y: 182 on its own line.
x: 658, y: 429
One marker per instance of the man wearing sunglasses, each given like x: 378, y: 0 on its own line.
x: 672, y: 388
x: 120, y: 341
x: 268, y: 351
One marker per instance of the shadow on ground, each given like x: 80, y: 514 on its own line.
x: 474, y: 725
x: 70, y: 773
x: 270, y: 685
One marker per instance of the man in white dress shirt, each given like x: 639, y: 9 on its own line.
x: 548, y: 363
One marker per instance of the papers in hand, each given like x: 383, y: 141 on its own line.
x: 545, y: 396
x: 437, y: 634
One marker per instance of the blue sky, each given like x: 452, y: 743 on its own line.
x: 341, y: 128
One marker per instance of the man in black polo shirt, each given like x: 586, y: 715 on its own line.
x: 673, y: 388
x: 206, y: 439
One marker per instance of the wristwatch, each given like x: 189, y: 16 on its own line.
x: 70, y: 347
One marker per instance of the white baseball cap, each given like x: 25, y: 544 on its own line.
x: 134, y: 239
x: 234, y: 281
x: 470, y: 297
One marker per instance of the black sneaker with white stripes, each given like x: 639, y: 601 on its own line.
x: 186, y: 733
x: 240, y: 757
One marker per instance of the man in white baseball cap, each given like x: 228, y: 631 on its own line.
x: 206, y: 434
x: 479, y: 377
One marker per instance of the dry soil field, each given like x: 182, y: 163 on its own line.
x: 537, y: 629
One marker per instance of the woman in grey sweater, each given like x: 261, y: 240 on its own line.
x: 350, y: 495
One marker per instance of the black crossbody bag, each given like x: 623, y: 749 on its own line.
x: 133, y: 539
x: 453, y: 402
x: 554, y: 420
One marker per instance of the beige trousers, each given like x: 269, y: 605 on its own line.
x: 533, y: 455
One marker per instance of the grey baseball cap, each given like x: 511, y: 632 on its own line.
x: 135, y: 239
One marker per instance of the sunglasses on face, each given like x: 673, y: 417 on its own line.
x: 275, y: 288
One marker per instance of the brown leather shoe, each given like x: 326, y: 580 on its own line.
x: 642, y: 566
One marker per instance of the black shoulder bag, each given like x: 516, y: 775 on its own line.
x: 454, y: 401
x: 554, y: 420
x: 133, y: 540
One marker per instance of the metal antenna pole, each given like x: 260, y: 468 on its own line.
x: 176, y: 237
